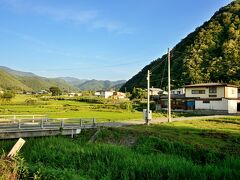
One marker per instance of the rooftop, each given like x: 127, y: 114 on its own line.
x: 210, y: 84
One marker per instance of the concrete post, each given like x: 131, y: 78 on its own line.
x: 62, y: 123
x: 81, y: 123
x: 19, y: 124
x: 72, y: 134
x: 42, y: 123
x: 94, y: 122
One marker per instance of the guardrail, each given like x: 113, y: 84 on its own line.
x: 42, y: 122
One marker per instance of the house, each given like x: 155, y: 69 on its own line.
x: 1, y: 92
x: 218, y: 97
x: 119, y: 95
x: 105, y: 94
x: 74, y: 94
x: 214, y: 96
x: 156, y: 91
x: 178, y: 91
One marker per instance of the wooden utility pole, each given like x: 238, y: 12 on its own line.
x: 169, y: 88
x: 148, y: 97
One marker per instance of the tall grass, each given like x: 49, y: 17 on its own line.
x: 63, y: 158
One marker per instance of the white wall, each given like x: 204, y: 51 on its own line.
x: 215, y: 105
x: 224, y: 104
x: 231, y: 92
x: 232, y: 106
x: 106, y: 94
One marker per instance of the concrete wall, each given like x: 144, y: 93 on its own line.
x: 215, y: 105
x: 232, y: 106
x: 225, y: 105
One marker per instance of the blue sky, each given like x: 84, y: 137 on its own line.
x: 95, y: 39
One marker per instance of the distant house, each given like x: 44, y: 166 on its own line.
x: 1, y: 92
x: 105, y: 94
x: 209, y: 96
x: 178, y: 91
x: 74, y: 94
x: 119, y: 95
x: 42, y: 92
x: 156, y: 91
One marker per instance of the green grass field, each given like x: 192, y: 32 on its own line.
x: 67, y: 109
x: 193, y: 149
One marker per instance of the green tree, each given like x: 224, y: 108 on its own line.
x: 55, y: 91
x: 139, y: 93
x: 7, y: 96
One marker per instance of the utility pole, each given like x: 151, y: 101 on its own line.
x: 148, y: 97
x: 169, y: 88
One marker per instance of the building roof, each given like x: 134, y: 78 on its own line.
x: 210, y: 85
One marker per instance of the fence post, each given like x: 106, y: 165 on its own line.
x: 14, y: 118
x: 62, y: 123
x: 94, y: 122
x: 72, y: 134
x: 33, y: 118
x: 42, y: 123
x: 81, y: 123
x: 19, y: 124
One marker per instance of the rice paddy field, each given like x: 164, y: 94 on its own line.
x: 193, y: 149
x: 54, y: 108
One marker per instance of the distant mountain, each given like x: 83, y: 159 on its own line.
x: 18, y: 80
x: 17, y: 73
x: 73, y: 81
x: 209, y: 54
x: 8, y: 81
x: 101, y: 85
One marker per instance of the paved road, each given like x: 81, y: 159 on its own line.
x: 158, y: 120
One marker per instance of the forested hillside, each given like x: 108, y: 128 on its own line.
x: 209, y: 54
x: 16, y: 80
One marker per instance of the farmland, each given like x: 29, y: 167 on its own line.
x: 193, y: 149
x: 55, y: 108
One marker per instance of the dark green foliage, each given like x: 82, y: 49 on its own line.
x: 210, y: 54
x: 139, y: 93
x: 55, y: 91
x: 7, y: 96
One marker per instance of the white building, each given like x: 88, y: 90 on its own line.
x: 105, y: 94
x: 178, y: 91
x: 156, y: 91
x: 214, y: 96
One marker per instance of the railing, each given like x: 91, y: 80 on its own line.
x: 42, y: 122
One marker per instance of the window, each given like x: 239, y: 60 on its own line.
x: 212, y: 95
x: 233, y: 92
x: 206, y: 102
x: 212, y: 89
x: 198, y: 91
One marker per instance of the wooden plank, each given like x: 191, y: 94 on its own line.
x: 16, y: 147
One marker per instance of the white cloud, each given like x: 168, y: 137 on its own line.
x: 90, y: 18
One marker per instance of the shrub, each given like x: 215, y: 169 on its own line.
x: 31, y: 101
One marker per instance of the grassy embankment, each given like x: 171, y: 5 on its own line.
x: 198, y: 149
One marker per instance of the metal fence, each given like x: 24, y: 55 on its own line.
x: 43, y: 122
